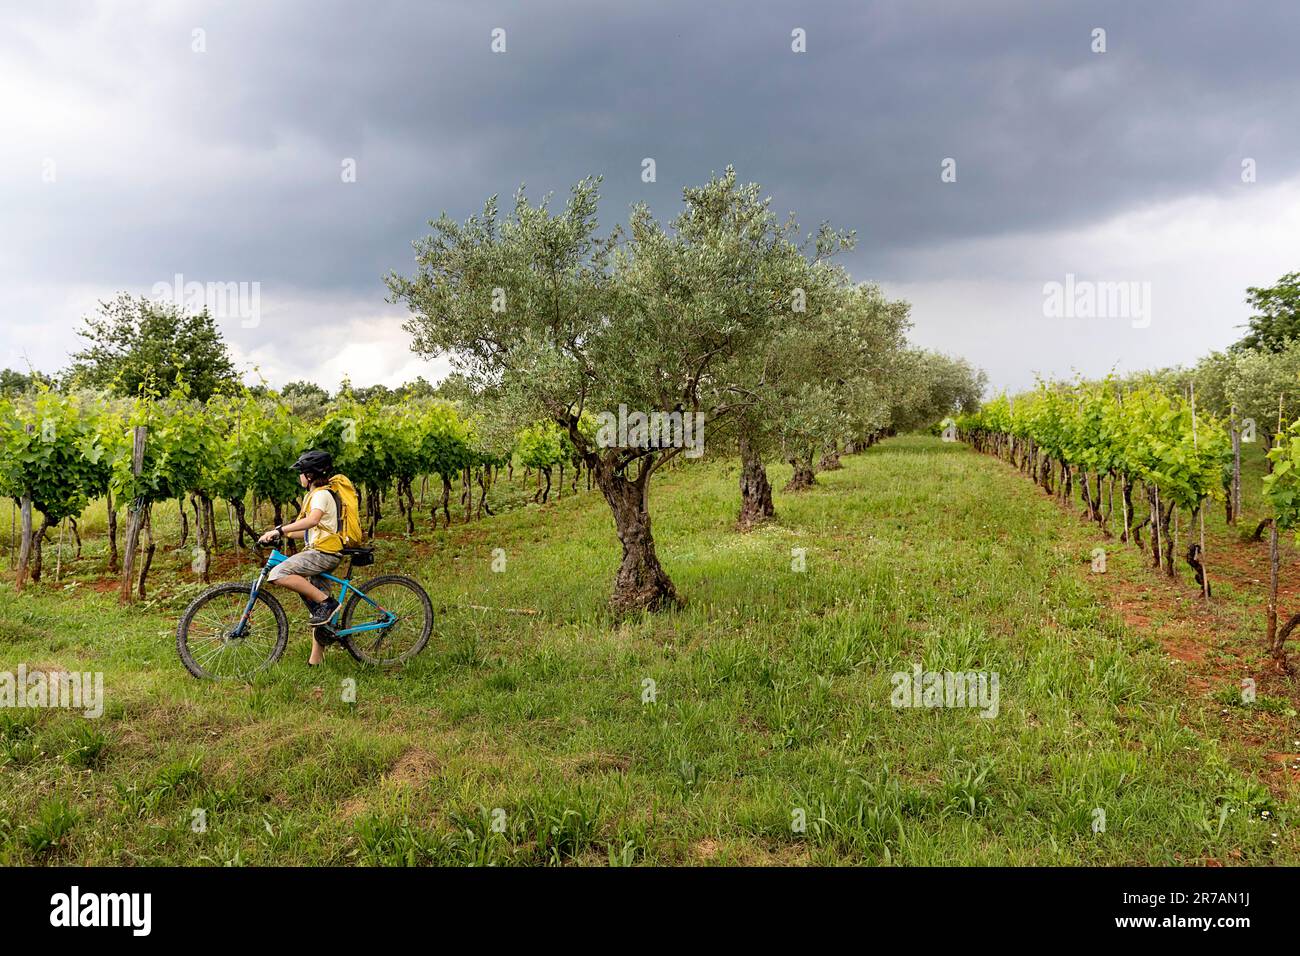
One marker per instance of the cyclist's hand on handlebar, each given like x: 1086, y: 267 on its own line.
x: 272, y: 535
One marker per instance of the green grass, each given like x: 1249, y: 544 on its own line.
x: 531, y: 739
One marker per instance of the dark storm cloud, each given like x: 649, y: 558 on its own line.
x: 228, y: 164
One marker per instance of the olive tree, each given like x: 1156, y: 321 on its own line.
x: 1264, y: 387
x: 930, y: 386
x: 819, y: 381
x: 641, y: 323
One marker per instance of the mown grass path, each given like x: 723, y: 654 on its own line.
x: 703, y: 736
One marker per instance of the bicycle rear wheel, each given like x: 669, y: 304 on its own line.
x: 396, y: 642
x: 213, y: 647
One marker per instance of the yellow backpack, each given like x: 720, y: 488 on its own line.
x: 346, y: 502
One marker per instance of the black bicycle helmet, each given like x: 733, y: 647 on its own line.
x: 315, y: 461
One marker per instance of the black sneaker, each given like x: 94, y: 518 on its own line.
x: 322, y: 612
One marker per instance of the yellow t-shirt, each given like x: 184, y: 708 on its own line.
x: 322, y: 499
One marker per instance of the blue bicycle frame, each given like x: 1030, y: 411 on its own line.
x: 345, y: 586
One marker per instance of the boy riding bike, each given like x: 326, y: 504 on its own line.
x: 318, y: 525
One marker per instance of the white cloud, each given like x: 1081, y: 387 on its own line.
x: 356, y: 342
x: 301, y: 335
x: 1199, y: 254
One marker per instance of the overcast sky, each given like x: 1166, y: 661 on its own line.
x: 135, y: 149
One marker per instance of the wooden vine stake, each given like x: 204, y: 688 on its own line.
x: 1156, y: 528
x: 25, y: 548
x: 1235, y: 492
x: 134, y: 519
x: 1200, y: 510
x: 1270, y: 627
x: 1270, y: 630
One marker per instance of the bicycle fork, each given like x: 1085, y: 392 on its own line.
x: 242, y: 626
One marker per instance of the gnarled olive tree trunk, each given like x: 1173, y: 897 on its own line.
x: 641, y: 582
x: 755, y: 490
x: 803, y: 476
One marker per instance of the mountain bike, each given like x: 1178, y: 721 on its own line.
x: 235, y: 631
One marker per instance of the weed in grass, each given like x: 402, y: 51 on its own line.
x: 468, y: 652
x: 485, y: 837
x: 18, y: 742
x: 503, y: 680
x: 86, y: 746
x: 967, y: 790
x: 861, y: 816
x: 55, y: 819
x: 171, y: 783
x: 387, y: 842
x: 1115, y: 678
x: 1233, y: 697
x: 562, y: 830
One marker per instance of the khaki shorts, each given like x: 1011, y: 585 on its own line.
x: 309, y: 564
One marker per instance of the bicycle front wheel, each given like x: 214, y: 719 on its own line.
x: 400, y: 621
x: 214, y: 645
